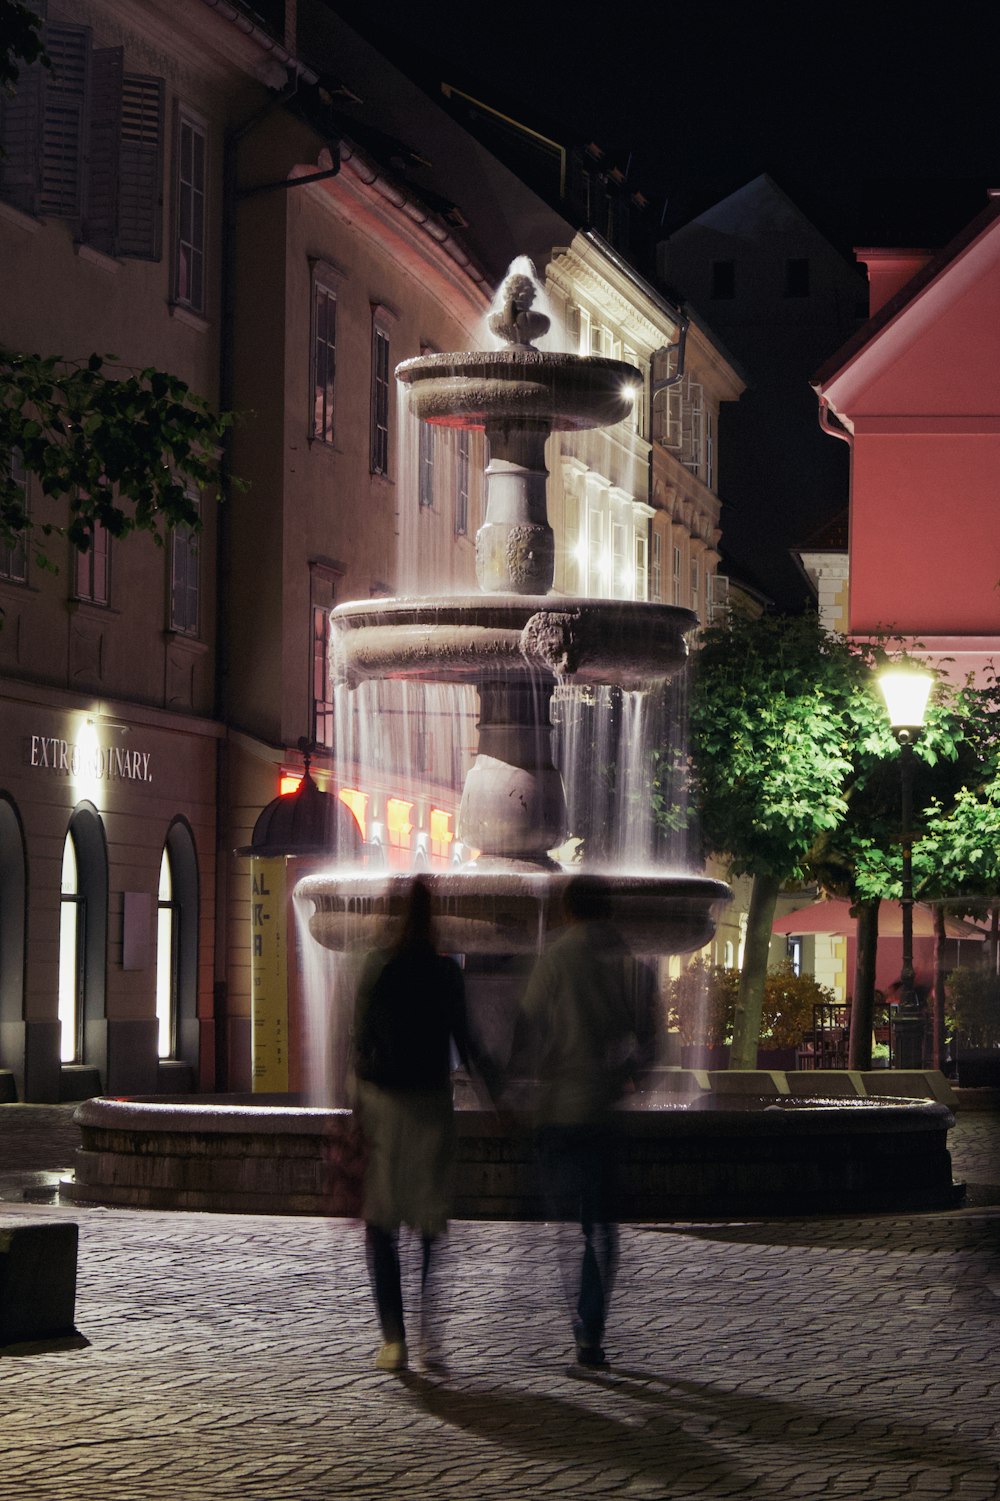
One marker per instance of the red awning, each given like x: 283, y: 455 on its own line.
x: 834, y: 916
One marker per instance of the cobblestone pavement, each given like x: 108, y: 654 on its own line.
x: 231, y: 1357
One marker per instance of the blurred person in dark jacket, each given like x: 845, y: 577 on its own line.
x: 580, y: 1007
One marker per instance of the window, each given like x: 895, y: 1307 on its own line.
x: 620, y: 581
x: 426, y: 448
x: 462, y: 472
x: 84, y: 142
x: 576, y: 543
x: 322, y: 693
x: 13, y: 915
x: 189, y: 211
x: 723, y: 280
x: 709, y: 475
x: 83, y: 938
x: 324, y: 360
x: 177, y: 947
x: 677, y: 575
x: 595, y: 542
x: 166, y: 960
x: 42, y: 129
x: 380, y: 402
x: 638, y: 418
x: 323, y: 577
x: 93, y: 568
x: 72, y: 928
x: 185, y: 579
x: 14, y: 554
x: 641, y: 564
x: 125, y: 159
x: 656, y: 580
x: 797, y: 277
x: 695, y: 582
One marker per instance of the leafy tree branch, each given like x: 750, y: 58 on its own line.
x: 128, y: 450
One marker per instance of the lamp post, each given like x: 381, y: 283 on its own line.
x: 906, y: 690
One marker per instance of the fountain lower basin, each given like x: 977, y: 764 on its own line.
x: 739, y: 1156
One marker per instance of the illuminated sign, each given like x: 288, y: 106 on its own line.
x: 85, y: 758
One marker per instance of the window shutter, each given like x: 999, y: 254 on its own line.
x: 140, y: 191
x: 64, y: 126
x: 101, y: 211
x: 20, y: 138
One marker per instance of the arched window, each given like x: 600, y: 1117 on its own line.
x: 177, y: 947
x: 166, y: 960
x: 13, y: 905
x: 72, y: 948
x: 83, y: 934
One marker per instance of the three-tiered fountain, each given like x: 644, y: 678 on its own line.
x: 514, y: 642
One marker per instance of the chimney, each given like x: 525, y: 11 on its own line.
x: 888, y: 271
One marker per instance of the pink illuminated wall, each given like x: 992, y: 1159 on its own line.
x: 921, y: 396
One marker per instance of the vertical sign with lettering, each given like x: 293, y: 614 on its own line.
x: 269, y: 974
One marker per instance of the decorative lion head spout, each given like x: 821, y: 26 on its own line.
x: 515, y: 322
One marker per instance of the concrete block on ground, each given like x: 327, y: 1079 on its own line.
x: 911, y: 1084
x: 761, y: 1082
x: 826, y: 1083
x: 676, y: 1081
x: 37, y: 1281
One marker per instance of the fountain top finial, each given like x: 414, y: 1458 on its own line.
x: 515, y: 322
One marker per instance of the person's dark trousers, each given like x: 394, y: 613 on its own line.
x: 579, y: 1183
x: 382, y: 1250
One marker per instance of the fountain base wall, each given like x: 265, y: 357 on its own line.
x: 710, y: 1155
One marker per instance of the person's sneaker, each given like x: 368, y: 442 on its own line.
x: 591, y: 1356
x: 392, y: 1356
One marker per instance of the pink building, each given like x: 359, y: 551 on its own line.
x: 916, y: 393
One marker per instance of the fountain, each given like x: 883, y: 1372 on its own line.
x: 514, y: 642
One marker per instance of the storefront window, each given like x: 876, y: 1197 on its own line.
x: 71, y: 924
x: 166, y: 960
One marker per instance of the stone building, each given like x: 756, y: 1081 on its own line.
x: 152, y: 204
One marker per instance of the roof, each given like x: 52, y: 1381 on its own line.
x: 938, y: 264
x: 830, y: 536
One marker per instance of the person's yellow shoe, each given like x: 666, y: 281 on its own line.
x: 392, y: 1356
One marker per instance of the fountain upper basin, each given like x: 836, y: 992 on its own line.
x: 623, y: 643
x: 566, y: 392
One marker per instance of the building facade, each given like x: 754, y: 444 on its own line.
x: 916, y: 396
x: 152, y: 204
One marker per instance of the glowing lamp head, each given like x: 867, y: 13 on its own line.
x: 906, y: 691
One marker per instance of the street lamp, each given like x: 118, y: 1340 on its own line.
x: 906, y: 690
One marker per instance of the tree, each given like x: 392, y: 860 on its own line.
x: 130, y: 450
x: 772, y: 717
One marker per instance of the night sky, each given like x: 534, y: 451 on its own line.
x: 881, y: 121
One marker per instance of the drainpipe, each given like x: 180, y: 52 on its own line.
x: 838, y: 431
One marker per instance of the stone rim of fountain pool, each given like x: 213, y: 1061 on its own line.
x: 677, y: 1162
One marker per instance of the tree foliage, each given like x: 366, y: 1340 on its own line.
x: 771, y: 732
x: 701, y: 1004
x: 128, y: 450
x: 20, y: 41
